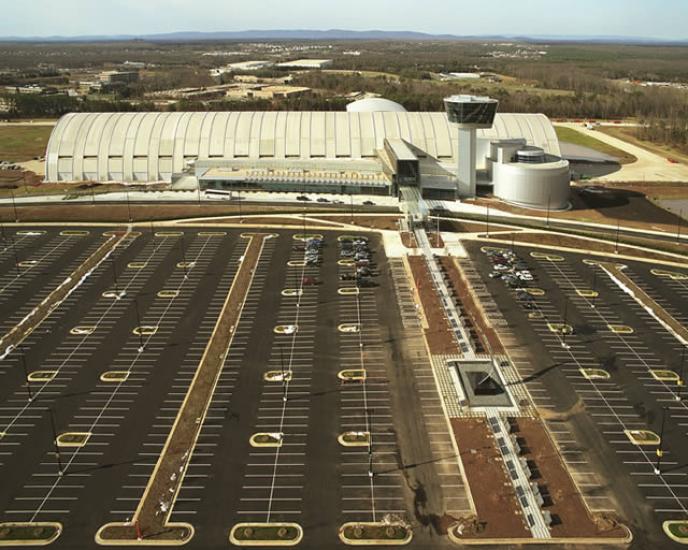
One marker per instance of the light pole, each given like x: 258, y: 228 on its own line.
x: 660, y: 451
x: 487, y: 220
x: 681, y: 381
x: 57, y: 447
x: 181, y: 245
x: 284, y: 376
x: 565, y: 326
x: 138, y: 324
x: 549, y: 200
x: 26, y: 376
x: 129, y: 207
x: 594, y: 286
x: 14, y: 208
x: 616, y: 242
x: 678, y: 226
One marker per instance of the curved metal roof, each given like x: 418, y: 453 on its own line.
x: 375, y: 105
x: 153, y: 146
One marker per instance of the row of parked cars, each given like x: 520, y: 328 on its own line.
x: 506, y: 265
x: 311, y: 249
x: 515, y: 273
x: 357, y: 250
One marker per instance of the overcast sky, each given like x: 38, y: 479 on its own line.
x: 665, y: 19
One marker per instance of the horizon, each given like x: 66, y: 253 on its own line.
x: 614, y: 19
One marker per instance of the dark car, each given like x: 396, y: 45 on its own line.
x: 302, y: 198
x: 323, y: 199
x: 369, y: 203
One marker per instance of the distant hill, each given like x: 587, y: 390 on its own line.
x: 332, y: 34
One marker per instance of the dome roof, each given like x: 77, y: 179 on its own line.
x: 375, y: 105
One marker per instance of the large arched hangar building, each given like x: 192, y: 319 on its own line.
x: 373, y: 148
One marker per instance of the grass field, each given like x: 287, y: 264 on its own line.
x: 22, y: 143
x: 578, y: 138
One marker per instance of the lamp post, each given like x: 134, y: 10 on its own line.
x: 616, y: 241
x: 594, y: 286
x: 129, y: 207
x: 14, y: 208
x: 678, y: 226
x: 660, y: 451
x: 183, y: 252
x: 487, y: 220
x: 681, y: 380
x: 57, y: 447
x: 138, y: 324
x: 26, y: 375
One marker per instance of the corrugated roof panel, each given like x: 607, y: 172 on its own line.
x: 217, y: 135
x: 268, y: 134
x: 442, y: 137
x: 280, y: 134
x: 206, y: 133
x: 255, y: 135
x: 318, y: 135
x: 143, y: 135
x: 167, y: 134
x: 292, y: 140
x: 343, y: 135
x: 192, y: 136
x: 368, y: 137
x: 242, y: 135
x: 430, y: 139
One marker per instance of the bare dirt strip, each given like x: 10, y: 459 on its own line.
x: 499, y: 515
x: 570, y: 516
x: 150, y: 522
x: 484, y: 336
x: 438, y: 334
x: 43, y: 310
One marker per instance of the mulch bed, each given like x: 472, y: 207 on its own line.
x: 484, y: 335
x: 408, y: 239
x: 571, y: 516
x: 498, y: 512
x: 438, y: 335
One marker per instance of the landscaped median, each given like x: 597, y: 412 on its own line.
x: 380, y: 533
x: 676, y: 530
x: 149, y: 525
x: 29, y: 533
x: 266, y: 534
x: 42, y: 311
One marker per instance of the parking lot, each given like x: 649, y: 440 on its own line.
x: 599, y: 361
x: 112, y: 365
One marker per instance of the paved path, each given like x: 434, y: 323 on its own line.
x: 648, y: 167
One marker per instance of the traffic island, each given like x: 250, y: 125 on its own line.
x: 149, y: 525
x: 676, y: 530
x: 29, y: 533
x: 266, y: 534
x: 354, y: 439
x: 42, y: 311
x: 378, y: 533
